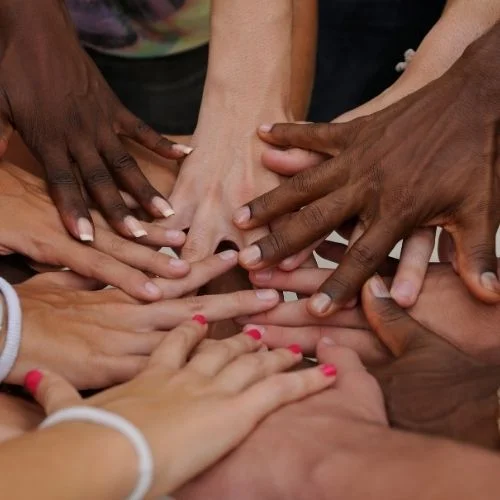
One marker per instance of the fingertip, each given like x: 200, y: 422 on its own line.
x: 200, y: 319
x: 489, y: 281
x: 405, y: 293
x: 265, y: 128
x: 321, y: 305
x: 242, y: 216
x: 151, y: 291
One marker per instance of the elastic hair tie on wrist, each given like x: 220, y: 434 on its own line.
x: 14, y: 328
x: 113, y: 421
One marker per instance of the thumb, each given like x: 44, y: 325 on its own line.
x: 392, y: 325
x: 51, y: 391
x: 291, y: 161
x: 67, y: 280
x: 5, y: 133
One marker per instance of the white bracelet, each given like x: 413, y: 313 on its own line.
x: 136, y: 438
x: 14, y: 325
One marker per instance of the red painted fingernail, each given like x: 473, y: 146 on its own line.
x: 295, y: 348
x: 255, y: 334
x: 200, y: 319
x: 32, y: 381
x: 328, y: 370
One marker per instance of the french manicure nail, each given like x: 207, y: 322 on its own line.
x: 182, y: 148
x: 266, y: 127
x: 378, y: 288
x: 328, y: 370
x: 85, y: 230
x: 489, y: 281
x: 321, y: 302
x: 152, y: 289
x: 200, y: 319
x: 328, y: 341
x: 134, y: 226
x: 264, y: 275
x: 295, y: 348
x: 266, y: 294
x: 162, y: 206
x: 242, y: 215
x: 32, y: 381
x: 251, y: 255
x: 255, y: 334
x: 228, y: 255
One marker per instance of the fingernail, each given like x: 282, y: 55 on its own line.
x: 255, y: 334
x: 179, y: 264
x: 200, y: 319
x: 85, y: 230
x: 242, y: 215
x: 162, y: 206
x: 182, y: 148
x: 295, y: 348
x: 328, y: 370
x: 251, y: 255
x: 152, y: 289
x: 351, y: 304
x: 260, y: 329
x: 378, y: 288
x: 404, y: 289
x: 266, y: 294
x: 266, y: 127
x: 327, y: 341
x: 228, y: 255
x: 134, y: 226
x: 264, y: 275
x: 489, y: 281
x: 32, y: 381
x: 321, y: 302
x: 290, y: 262
x: 175, y: 236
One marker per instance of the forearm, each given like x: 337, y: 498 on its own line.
x: 394, y: 465
x: 73, y: 460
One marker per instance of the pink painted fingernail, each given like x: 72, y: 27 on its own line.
x: 200, y: 319
x: 328, y: 370
x: 242, y: 215
x: 255, y: 334
x: 295, y: 348
x: 32, y: 381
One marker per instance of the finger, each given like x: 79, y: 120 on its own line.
x: 295, y: 261
x: 173, y: 352
x: 248, y: 369
x: 51, y: 391
x: 201, y: 273
x: 476, y: 259
x: 66, y: 279
x: 160, y: 237
x: 167, y: 314
x: 303, y: 281
x: 326, y: 138
x: 393, y: 326
x: 361, y: 262
x: 277, y: 390
x: 6, y: 129
x: 141, y: 132
x: 218, y: 355
x: 104, y: 191
x: 64, y: 189
x: 126, y: 171
x: 291, y: 161
x: 313, y: 222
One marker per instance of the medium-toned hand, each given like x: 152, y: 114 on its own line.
x: 54, y: 96
x: 194, y: 409
x: 410, y: 176
x: 99, y: 338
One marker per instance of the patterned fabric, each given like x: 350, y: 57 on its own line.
x: 141, y: 28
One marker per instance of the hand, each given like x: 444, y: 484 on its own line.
x: 31, y: 226
x: 391, y: 205
x: 54, y: 96
x: 193, y: 411
x: 295, y: 442
x: 97, y: 339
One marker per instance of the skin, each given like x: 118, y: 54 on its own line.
x: 393, y: 205
x: 321, y: 447
x: 208, y: 402
x: 54, y: 96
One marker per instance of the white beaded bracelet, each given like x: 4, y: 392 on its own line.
x: 14, y: 327
x: 108, y: 419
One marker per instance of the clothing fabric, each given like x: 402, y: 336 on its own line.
x: 141, y: 28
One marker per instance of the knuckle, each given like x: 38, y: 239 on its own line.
x: 161, y: 143
x: 314, y: 216
x: 363, y: 256
x: 251, y: 362
x: 302, y: 183
x: 60, y: 177
x: 194, y: 304
x: 141, y: 128
x: 276, y: 244
x: 123, y: 162
x: 97, y: 176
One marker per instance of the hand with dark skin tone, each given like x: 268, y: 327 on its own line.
x: 430, y: 159
x: 54, y: 96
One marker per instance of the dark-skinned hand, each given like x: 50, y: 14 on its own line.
x: 430, y: 159
x: 54, y: 96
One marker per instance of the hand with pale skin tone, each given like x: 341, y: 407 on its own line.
x: 54, y: 96
x: 192, y: 406
x: 418, y: 247
x: 99, y: 338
